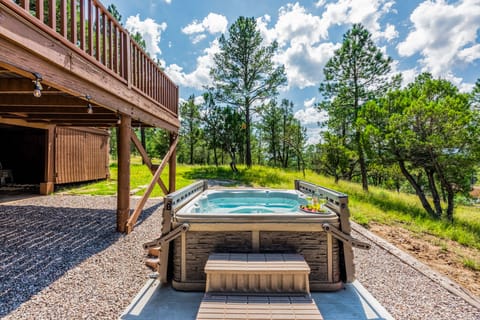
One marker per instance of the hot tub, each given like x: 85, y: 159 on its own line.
x: 264, y: 221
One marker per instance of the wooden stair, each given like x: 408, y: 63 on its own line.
x: 257, y: 286
x: 154, y: 259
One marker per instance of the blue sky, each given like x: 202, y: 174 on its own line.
x: 438, y: 36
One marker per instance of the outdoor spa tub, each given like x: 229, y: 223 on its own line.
x: 201, y: 221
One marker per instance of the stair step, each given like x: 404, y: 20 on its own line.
x: 155, y: 252
x: 230, y: 306
x: 255, y: 272
x: 152, y: 263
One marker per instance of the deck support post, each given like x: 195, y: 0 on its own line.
x: 172, y: 165
x: 123, y: 188
x: 47, y: 186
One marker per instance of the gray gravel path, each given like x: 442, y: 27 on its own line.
x: 60, y: 261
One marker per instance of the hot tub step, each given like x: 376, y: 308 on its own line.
x: 257, y: 273
x: 152, y: 263
x: 286, y: 307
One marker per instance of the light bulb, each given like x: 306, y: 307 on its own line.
x: 37, y: 93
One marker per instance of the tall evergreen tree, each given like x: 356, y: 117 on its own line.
x: 355, y: 74
x: 190, y: 125
x: 213, y: 121
x: 244, y: 74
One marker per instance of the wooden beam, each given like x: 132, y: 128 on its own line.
x: 138, y: 209
x: 23, y: 123
x: 60, y: 101
x: 123, y: 188
x: 55, y: 110
x: 146, y: 159
x: 21, y: 85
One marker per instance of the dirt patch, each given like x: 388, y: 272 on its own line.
x: 475, y: 193
x: 445, y: 256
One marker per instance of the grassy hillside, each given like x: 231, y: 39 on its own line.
x: 379, y: 205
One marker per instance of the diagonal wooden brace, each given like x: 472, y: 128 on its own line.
x: 172, y: 235
x: 345, y: 238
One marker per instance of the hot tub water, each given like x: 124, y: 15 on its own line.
x: 248, y: 202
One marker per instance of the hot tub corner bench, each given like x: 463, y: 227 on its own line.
x: 323, y: 239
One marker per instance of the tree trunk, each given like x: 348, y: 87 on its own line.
x: 434, y: 191
x: 421, y: 195
x: 450, y: 203
x: 248, y: 148
x: 361, y: 160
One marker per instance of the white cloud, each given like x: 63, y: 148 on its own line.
x: 302, y: 36
x: 409, y: 75
x: 310, y: 115
x: 213, y: 23
x: 304, y: 63
x: 295, y: 24
x: 198, y: 38
x: 309, y: 103
x: 390, y: 32
x: 470, y: 54
x: 168, y: 1
x: 314, y: 135
x: 200, y: 77
x: 199, y: 100
x: 366, y: 12
x: 150, y: 31
x: 444, y: 34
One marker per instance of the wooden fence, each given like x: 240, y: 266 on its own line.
x: 80, y: 154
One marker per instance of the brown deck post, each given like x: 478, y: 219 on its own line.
x: 47, y: 186
x: 123, y: 188
x: 172, y: 166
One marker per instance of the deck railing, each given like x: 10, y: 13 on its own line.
x: 95, y: 33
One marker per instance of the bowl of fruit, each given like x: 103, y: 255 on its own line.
x: 314, y: 206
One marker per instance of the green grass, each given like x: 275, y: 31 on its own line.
x: 471, y: 264
x: 377, y: 206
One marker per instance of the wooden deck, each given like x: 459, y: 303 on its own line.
x: 81, y: 55
x: 87, y: 72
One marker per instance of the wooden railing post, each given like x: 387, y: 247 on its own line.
x: 127, y: 59
x: 123, y: 188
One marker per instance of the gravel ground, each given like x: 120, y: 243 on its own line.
x: 60, y: 261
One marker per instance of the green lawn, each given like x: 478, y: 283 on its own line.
x: 378, y: 205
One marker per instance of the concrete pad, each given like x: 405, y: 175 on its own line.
x: 157, y: 302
